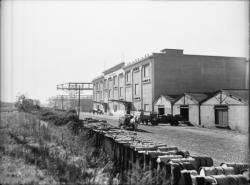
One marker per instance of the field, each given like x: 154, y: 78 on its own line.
x: 37, y: 152
x: 6, y: 107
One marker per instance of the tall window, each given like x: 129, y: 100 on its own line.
x: 109, y: 95
x: 128, y: 76
x: 101, y: 85
x: 146, y: 107
x: 121, y: 91
x: 115, y: 108
x: 110, y: 83
x: 146, y: 71
x: 115, y: 80
x: 105, y: 84
x: 136, y: 89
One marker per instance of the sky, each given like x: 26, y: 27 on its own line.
x: 45, y: 43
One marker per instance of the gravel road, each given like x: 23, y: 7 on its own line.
x: 221, y: 145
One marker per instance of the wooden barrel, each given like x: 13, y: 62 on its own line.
x: 167, y: 158
x: 192, y: 172
x: 199, y: 180
x: 181, y: 173
x: 206, y: 171
x: 188, y: 159
x: 210, y: 180
x: 183, y: 165
x: 155, y: 154
x: 238, y: 167
x: 230, y: 179
x: 202, y: 161
x: 183, y: 153
x: 186, y: 163
x: 185, y: 178
x: 175, y: 173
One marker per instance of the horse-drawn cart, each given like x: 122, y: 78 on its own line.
x: 146, y: 117
x: 128, y: 122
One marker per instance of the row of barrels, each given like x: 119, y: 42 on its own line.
x: 226, y: 174
x: 176, y: 167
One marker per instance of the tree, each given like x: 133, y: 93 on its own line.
x: 25, y: 104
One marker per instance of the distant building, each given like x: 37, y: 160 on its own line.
x: 109, y: 92
x: 169, y: 72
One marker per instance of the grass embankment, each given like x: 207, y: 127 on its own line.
x: 7, y: 107
x: 60, y: 152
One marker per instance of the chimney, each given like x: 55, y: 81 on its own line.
x: 172, y: 51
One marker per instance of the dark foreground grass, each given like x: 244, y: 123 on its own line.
x: 60, y: 152
x: 66, y: 157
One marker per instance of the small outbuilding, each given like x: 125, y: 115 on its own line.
x: 226, y: 108
x: 163, y: 104
x: 188, y: 106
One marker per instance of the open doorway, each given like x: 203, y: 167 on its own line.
x: 128, y: 108
x: 184, y: 112
x: 161, y: 111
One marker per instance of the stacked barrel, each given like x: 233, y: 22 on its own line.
x: 166, y: 164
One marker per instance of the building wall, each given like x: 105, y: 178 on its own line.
x: 176, y: 74
x: 128, y: 93
x: 116, y: 97
x: 194, y: 114
x: 121, y: 84
x: 144, y: 97
x: 193, y: 107
x: 147, y: 95
x: 207, y: 116
x: 239, y: 118
x: 237, y: 113
x: 113, y: 89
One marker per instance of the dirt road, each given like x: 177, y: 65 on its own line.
x: 221, y: 145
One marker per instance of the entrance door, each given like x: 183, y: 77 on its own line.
x: 221, y: 115
x: 161, y: 111
x: 128, y: 108
x: 105, y: 107
x: 184, y: 111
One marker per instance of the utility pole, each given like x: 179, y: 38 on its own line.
x: 62, y: 101
x: 79, y: 101
x: 76, y: 88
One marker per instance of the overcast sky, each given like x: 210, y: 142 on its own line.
x: 60, y: 41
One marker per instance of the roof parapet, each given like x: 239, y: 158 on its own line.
x: 138, y: 60
x: 172, y: 51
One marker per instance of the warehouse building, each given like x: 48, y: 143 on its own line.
x: 188, y: 106
x: 164, y: 104
x: 171, y: 72
x: 226, y: 108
